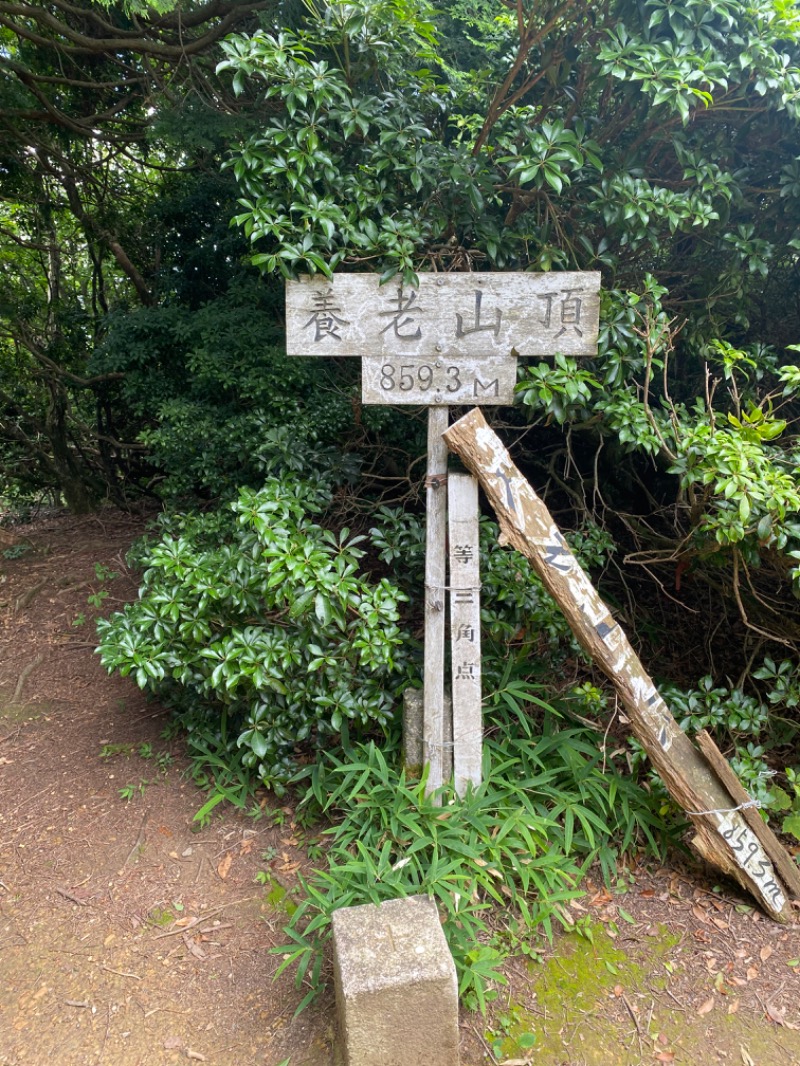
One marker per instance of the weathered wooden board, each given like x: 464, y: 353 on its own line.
x: 465, y: 629
x: 723, y: 836
x: 434, y: 382
x: 472, y: 314
x: 436, y: 755
x: 784, y: 863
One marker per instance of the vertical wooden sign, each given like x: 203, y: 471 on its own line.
x: 465, y: 630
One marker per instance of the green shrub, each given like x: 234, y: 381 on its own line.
x: 273, y: 626
x: 759, y: 727
x: 520, y: 842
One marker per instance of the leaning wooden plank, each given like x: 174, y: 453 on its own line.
x: 723, y: 836
x: 784, y: 863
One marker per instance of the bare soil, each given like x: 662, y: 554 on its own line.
x: 131, y: 936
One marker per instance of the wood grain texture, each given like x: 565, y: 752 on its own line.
x: 465, y: 629
x: 473, y: 314
x: 722, y: 834
x: 435, y: 754
x: 784, y: 863
x: 433, y: 382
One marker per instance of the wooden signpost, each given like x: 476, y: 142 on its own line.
x: 453, y: 340
x: 727, y: 834
x: 450, y: 316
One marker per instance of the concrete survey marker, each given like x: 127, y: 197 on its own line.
x: 396, y: 986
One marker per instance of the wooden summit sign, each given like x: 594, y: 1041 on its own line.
x: 453, y: 340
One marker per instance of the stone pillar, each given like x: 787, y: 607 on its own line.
x: 412, y: 733
x: 396, y: 987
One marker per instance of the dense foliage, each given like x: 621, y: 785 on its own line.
x: 273, y: 627
x: 655, y: 141
x: 111, y: 125
x: 141, y: 353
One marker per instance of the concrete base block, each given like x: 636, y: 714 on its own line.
x: 413, y: 732
x: 396, y: 987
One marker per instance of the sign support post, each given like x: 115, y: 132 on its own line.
x: 452, y: 340
x: 433, y: 731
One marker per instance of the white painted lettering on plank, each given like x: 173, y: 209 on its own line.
x: 750, y: 855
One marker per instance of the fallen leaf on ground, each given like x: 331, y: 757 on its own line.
x: 778, y: 1015
x: 733, y: 1006
x: 746, y: 1060
x: 775, y: 1014
x: 706, y: 1007
x: 225, y: 866
x: 194, y: 948
x: 752, y: 973
x: 766, y: 952
x: 665, y: 1056
x: 600, y: 898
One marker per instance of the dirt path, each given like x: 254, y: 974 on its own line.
x: 125, y: 936
x: 129, y: 938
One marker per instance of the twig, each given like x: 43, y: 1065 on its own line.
x: 138, y: 841
x: 76, y: 1003
x: 108, y: 1030
x: 23, y: 677
x: 171, y: 1010
x: 68, y: 895
x: 632, y: 1013
x: 673, y: 996
x: 482, y: 1039
x: 603, y: 747
x: 121, y: 973
x: 203, y: 918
